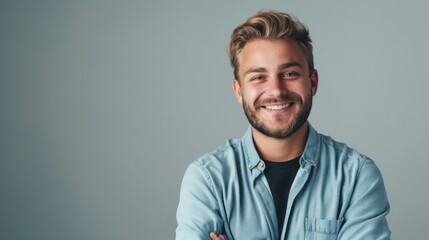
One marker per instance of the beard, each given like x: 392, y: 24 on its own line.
x: 283, y: 131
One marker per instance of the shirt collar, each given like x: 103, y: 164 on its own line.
x: 309, y: 156
x: 252, y: 156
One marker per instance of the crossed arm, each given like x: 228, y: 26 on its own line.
x: 199, y: 214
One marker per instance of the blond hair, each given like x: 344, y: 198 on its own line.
x: 270, y: 24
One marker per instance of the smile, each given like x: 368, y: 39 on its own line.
x: 278, y: 107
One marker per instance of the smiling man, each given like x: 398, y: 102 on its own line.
x: 282, y: 179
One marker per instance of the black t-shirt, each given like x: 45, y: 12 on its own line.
x: 280, y: 176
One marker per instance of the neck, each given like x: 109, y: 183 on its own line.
x: 281, y: 150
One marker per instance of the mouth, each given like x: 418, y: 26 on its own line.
x: 278, y: 106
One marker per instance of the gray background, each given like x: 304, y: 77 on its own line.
x: 104, y: 104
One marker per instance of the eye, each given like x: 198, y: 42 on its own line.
x: 257, y: 78
x: 290, y: 75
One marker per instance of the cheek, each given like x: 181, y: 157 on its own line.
x: 304, y: 89
x: 250, y: 94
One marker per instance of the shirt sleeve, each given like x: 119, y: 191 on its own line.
x: 198, y: 210
x: 365, y: 217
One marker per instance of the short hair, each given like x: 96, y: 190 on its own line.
x: 270, y: 24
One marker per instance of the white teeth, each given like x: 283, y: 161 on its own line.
x: 278, y: 107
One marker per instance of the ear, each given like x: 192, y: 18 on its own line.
x: 237, y: 91
x: 314, y: 78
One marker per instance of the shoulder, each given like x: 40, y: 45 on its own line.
x: 220, y: 161
x: 214, y: 169
x: 222, y: 155
x: 346, y: 165
x: 340, y: 154
x: 341, y: 148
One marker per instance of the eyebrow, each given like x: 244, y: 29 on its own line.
x: 282, y: 66
x: 289, y: 64
x: 255, y: 70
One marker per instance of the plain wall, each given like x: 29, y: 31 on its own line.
x: 103, y: 105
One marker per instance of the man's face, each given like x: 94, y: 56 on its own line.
x: 275, y: 86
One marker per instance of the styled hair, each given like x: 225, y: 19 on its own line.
x: 270, y: 24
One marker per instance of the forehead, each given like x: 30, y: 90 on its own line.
x: 270, y: 53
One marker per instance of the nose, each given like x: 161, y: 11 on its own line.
x: 276, y: 87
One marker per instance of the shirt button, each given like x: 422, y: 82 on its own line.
x: 261, y: 164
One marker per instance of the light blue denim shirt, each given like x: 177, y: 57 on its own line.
x: 337, y: 193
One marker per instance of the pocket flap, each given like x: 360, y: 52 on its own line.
x: 327, y: 226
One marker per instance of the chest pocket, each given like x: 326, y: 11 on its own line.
x: 321, y: 229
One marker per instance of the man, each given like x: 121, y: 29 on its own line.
x: 282, y: 180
